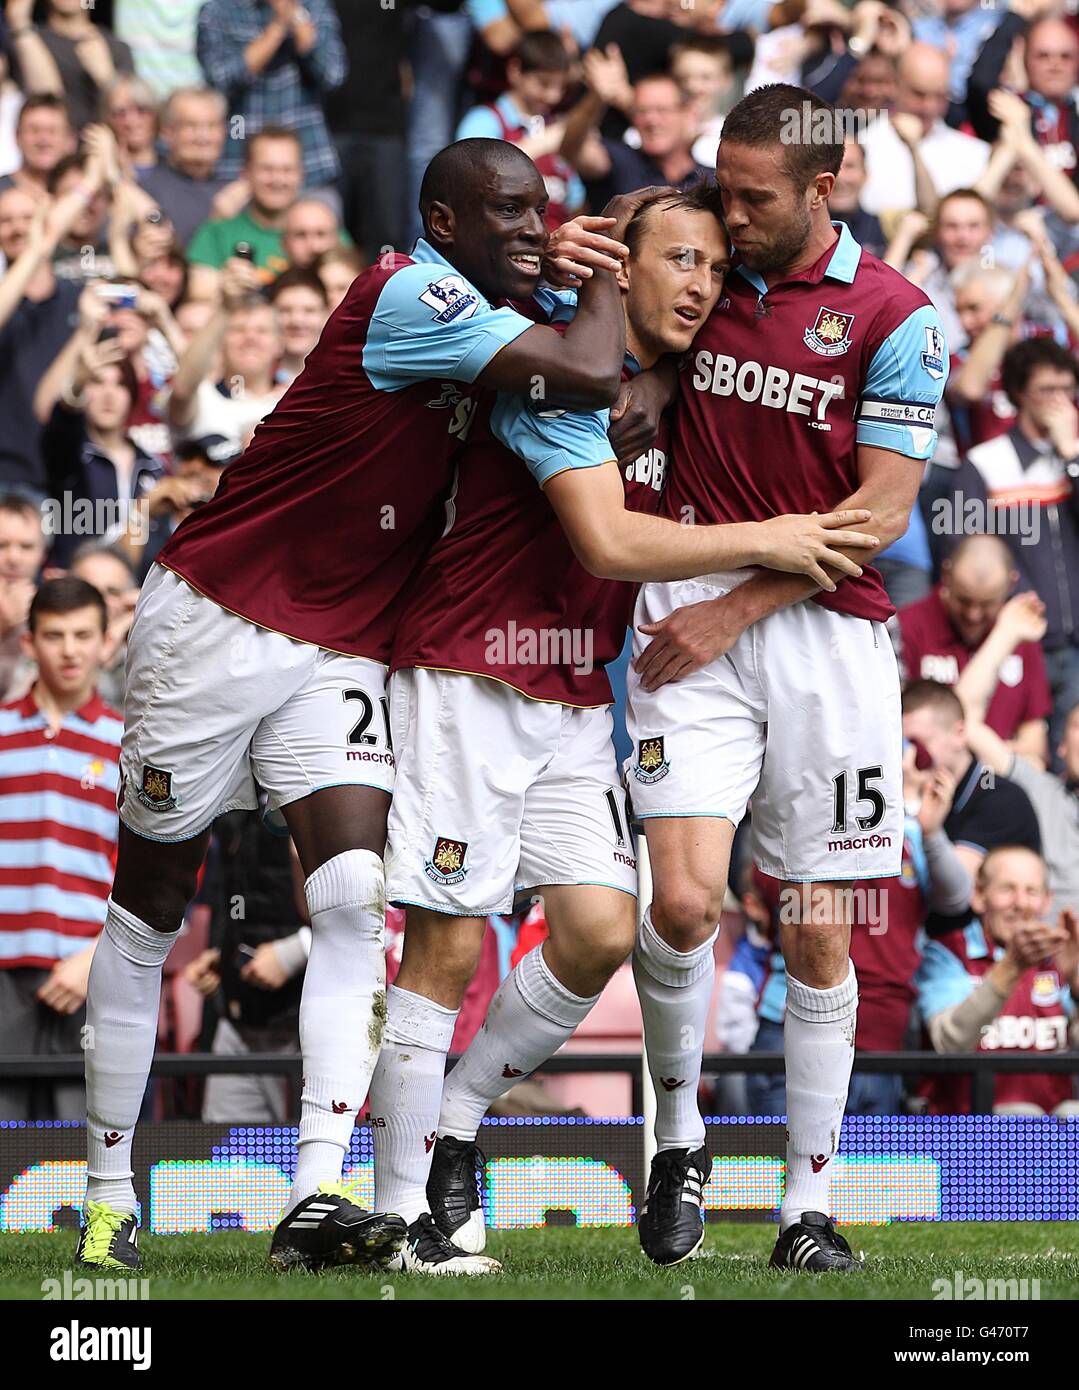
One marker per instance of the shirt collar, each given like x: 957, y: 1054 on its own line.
x: 1028, y: 450
x: 839, y: 262
x: 976, y: 942
x: 90, y: 712
x: 424, y: 252
x: 513, y: 114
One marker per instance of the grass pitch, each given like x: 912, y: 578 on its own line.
x: 902, y: 1262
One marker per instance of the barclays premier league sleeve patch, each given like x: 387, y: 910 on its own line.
x: 451, y: 298
x: 933, y: 356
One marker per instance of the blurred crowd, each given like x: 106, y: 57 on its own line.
x: 188, y: 189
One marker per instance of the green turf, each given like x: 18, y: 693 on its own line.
x: 902, y: 1261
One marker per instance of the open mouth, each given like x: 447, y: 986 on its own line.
x: 688, y: 315
x: 528, y: 261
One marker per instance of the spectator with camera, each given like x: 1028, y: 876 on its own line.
x: 119, y: 322
x: 91, y: 461
x: 1003, y: 983
x: 59, y: 744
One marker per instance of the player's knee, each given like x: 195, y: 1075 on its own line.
x: 161, y: 904
x: 687, y: 916
x: 606, y: 947
x: 440, y: 957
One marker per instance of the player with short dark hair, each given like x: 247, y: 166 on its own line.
x: 812, y: 385
x: 259, y: 651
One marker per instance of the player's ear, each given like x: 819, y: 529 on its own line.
x: 621, y: 275
x: 441, y: 223
x: 822, y: 189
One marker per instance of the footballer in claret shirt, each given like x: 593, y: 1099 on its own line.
x: 259, y: 650
x: 813, y: 384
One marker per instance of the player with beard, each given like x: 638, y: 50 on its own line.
x: 259, y: 650
x: 812, y: 386
x: 507, y: 780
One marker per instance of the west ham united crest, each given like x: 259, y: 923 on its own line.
x: 652, y: 766
x: 830, y: 334
x: 447, y: 863
x: 1045, y: 989
x: 156, y: 789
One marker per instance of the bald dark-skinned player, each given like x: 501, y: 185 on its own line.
x: 259, y: 650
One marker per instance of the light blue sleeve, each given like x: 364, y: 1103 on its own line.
x: 746, y: 14
x: 480, y: 123
x: 903, y: 387
x: 942, y: 980
x: 558, y: 305
x: 484, y: 12
x: 430, y: 322
x: 551, y: 441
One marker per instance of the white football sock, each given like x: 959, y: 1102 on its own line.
x: 122, y: 1003
x: 818, y: 1044
x: 530, y: 1017
x: 406, y: 1093
x: 675, y: 990
x: 342, y: 1010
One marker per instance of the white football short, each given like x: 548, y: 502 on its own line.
x: 498, y: 794
x: 215, y: 704
x: 802, y: 714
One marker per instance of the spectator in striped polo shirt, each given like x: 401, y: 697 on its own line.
x: 59, y: 754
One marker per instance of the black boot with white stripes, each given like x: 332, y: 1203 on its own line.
x: 813, y: 1245
x: 329, y: 1228
x: 671, y: 1225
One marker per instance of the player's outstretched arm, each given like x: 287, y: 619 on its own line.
x: 614, y: 543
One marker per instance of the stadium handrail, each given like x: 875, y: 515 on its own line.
x: 982, y: 1067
